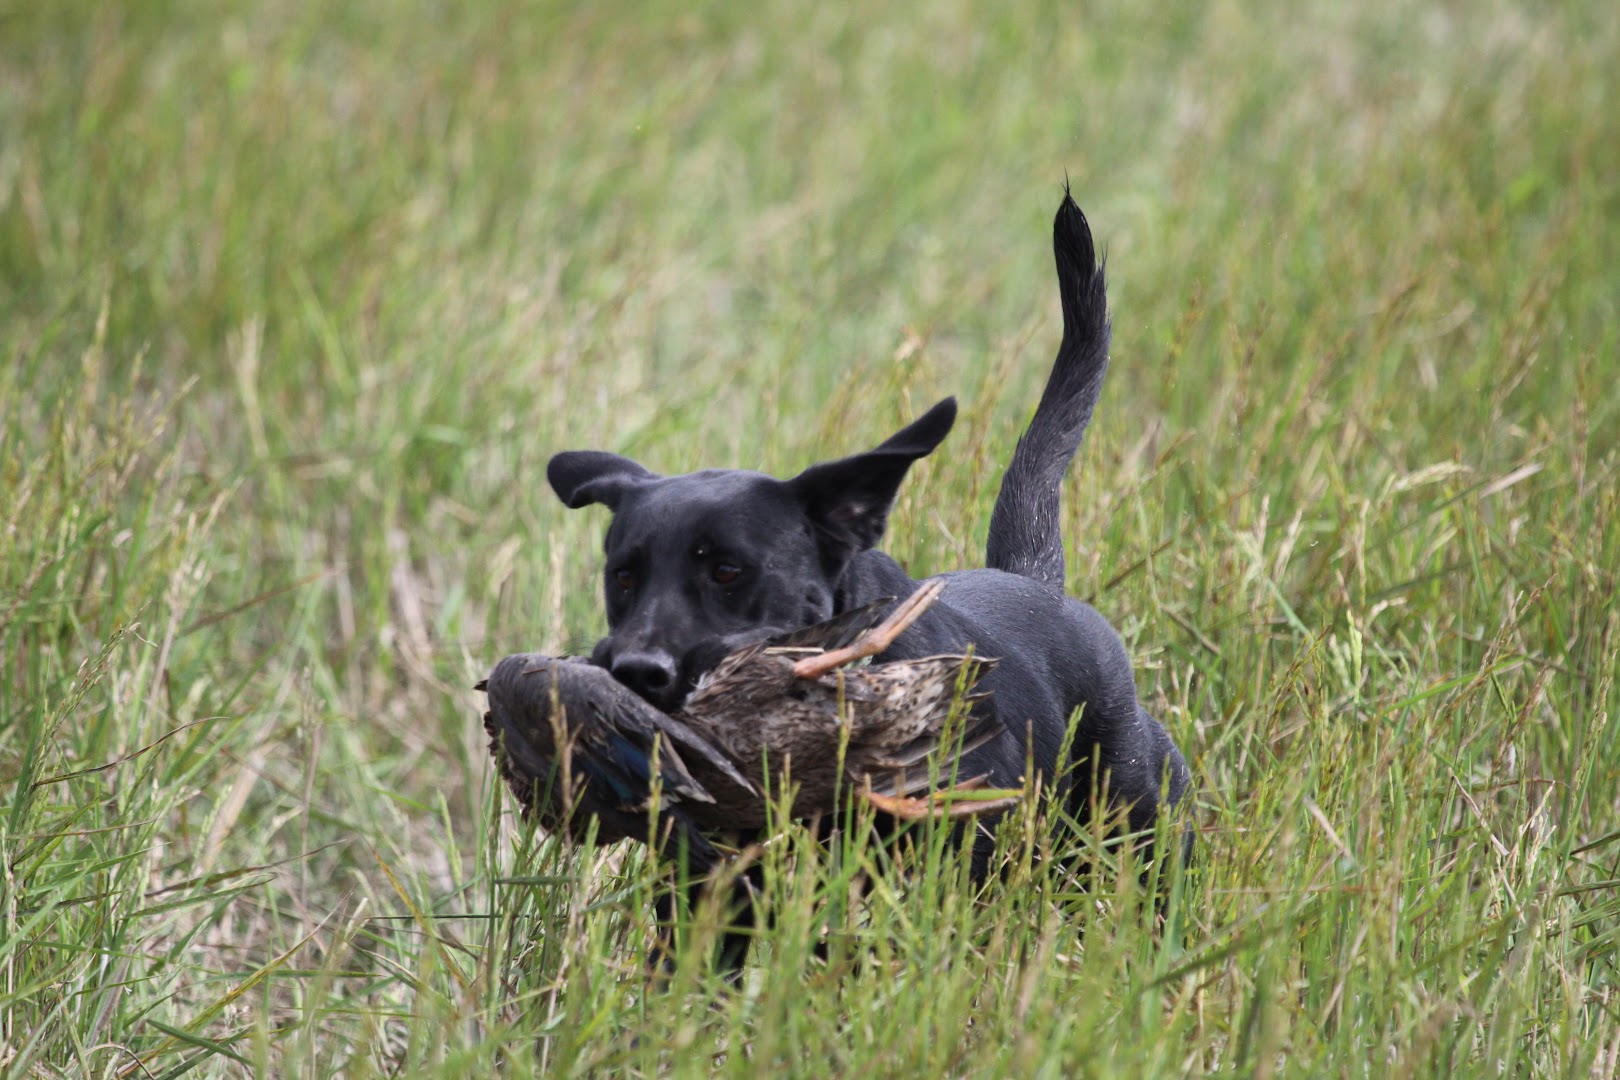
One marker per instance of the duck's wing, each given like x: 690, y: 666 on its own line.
x: 904, y: 768
x: 836, y: 632
x: 907, y: 724
x: 543, y: 708
x: 528, y: 734
x: 544, y: 711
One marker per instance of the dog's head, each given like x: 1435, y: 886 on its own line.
x: 701, y: 564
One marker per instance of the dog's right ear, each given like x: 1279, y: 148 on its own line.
x: 583, y: 477
x: 848, y: 500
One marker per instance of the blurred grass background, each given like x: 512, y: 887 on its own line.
x: 296, y: 300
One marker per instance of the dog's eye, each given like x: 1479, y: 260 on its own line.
x: 624, y: 579
x: 725, y: 573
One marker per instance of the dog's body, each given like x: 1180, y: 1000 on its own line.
x: 702, y: 563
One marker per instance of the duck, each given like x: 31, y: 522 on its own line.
x: 807, y: 714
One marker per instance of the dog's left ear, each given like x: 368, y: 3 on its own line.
x: 583, y: 477
x: 848, y: 500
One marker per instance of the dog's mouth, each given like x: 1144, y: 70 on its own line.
x: 699, y: 661
x: 672, y: 699
x: 693, y: 667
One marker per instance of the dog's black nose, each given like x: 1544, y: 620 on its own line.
x: 650, y: 674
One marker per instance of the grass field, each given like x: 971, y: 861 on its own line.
x: 296, y: 299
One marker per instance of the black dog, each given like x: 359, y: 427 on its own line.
x: 700, y: 564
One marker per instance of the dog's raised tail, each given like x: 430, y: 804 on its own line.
x: 1026, y: 526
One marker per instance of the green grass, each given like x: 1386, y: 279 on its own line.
x: 297, y: 299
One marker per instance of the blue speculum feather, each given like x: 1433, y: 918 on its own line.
x: 630, y: 758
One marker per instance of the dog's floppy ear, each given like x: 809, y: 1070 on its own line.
x: 848, y: 500
x: 583, y: 477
